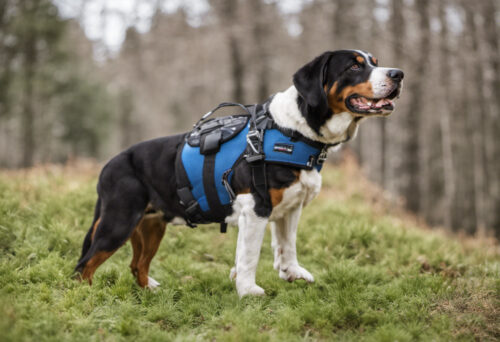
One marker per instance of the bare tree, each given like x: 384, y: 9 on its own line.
x: 448, y: 175
x: 478, y: 111
x: 30, y: 58
x: 228, y: 13
x: 491, y: 40
x: 411, y: 151
x: 398, y: 30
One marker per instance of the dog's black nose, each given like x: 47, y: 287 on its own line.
x: 396, y: 74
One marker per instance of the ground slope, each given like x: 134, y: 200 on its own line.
x: 379, y: 277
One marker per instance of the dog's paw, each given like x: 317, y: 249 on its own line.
x: 253, y: 290
x: 295, y: 272
x: 152, y: 284
x: 232, y: 273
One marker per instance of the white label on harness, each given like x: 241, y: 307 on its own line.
x: 285, y: 148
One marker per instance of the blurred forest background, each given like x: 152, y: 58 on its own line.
x: 64, y: 95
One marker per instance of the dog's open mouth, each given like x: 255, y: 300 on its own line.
x: 364, y: 105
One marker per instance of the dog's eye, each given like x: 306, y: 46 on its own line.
x: 355, y: 67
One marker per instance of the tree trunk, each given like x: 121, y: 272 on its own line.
x: 228, y: 11
x: 464, y: 215
x: 398, y: 33
x: 126, y: 118
x: 445, y: 121
x: 411, y: 163
x: 28, y: 112
x: 237, y: 69
x: 478, y: 112
x: 260, y: 31
x: 491, y: 39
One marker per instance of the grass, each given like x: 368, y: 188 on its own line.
x: 379, y: 277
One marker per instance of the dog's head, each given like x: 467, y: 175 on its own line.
x: 346, y: 81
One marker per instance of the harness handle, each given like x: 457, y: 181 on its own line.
x: 221, y: 105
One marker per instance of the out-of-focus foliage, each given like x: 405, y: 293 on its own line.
x: 84, y: 115
x: 51, y: 104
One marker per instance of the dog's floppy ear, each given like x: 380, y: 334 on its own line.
x: 309, y: 81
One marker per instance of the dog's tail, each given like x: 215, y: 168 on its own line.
x: 88, y: 238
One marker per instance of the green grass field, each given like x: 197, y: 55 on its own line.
x: 378, y: 276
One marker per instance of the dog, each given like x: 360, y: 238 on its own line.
x: 137, y: 196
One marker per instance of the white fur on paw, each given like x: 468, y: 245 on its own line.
x: 295, y: 272
x: 254, y: 290
x: 232, y: 274
x: 152, y: 284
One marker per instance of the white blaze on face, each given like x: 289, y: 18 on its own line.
x: 381, y: 84
x: 368, y: 57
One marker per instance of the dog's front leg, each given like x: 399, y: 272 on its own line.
x: 251, y: 229
x: 284, y: 231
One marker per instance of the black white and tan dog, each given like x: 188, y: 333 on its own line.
x: 137, y: 188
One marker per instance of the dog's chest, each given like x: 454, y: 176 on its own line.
x: 298, y: 194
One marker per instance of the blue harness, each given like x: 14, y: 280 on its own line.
x: 206, y: 160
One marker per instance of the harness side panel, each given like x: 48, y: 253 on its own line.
x: 288, y: 151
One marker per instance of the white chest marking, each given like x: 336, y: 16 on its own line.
x: 286, y: 113
x: 335, y: 129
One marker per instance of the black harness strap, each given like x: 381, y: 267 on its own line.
x: 217, y: 210
x: 193, y: 209
x: 255, y: 155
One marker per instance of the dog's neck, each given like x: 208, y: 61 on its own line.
x: 286, y: 113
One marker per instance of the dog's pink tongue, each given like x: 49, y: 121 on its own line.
x: 361, y: 102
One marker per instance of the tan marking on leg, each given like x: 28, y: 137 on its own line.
x: 94, y: 263
x: 243, y: 191
x: 137, y: 246
x: 94, y: 229
x: 151, y: 231
x: 276, y: 196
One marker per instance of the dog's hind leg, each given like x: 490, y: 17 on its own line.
x: 145, y: 241
x: 122, y: 209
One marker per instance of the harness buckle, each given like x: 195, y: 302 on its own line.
x: 310, y: 161
x: 254, y: 140
x: 225, y: 182
x: 322, y: 155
